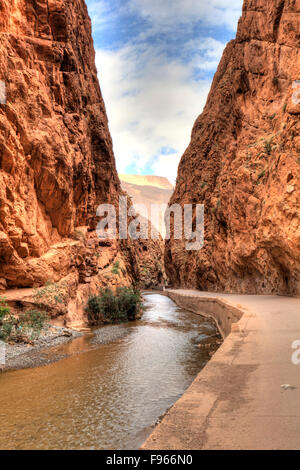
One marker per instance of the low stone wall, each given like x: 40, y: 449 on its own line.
x: 184, y: 427
x: 225, y: 315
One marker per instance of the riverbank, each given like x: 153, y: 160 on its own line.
x: 40, y: 353
x: 113, y: 385
x: 37, y: 353
x: 248, y: 395
x: 22, y: 356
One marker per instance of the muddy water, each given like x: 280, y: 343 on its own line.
x: 112, y: 386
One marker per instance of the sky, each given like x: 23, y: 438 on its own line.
x: 156, y: 60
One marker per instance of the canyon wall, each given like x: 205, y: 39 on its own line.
x: 56, y: 158
x: 243, y: 162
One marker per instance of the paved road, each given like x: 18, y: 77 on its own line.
x: 237, y: 401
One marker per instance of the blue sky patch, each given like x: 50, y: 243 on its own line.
x: 156, y: 61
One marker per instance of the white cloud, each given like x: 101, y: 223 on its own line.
x: 152, y: 102
x: 100, y: 14
x: 151, y: 91
x: 207, y: 53
x: 167, y: 13
x: 166, y: 165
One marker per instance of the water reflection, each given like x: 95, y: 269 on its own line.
x: 111, y: 389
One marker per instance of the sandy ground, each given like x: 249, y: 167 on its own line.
x: 21, y: 356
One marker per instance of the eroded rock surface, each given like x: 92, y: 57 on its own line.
x: 243, y: 162
x: 56, y: 158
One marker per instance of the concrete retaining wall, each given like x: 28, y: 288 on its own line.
x: 223, y: 314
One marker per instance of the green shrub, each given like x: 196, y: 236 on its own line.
x: 23, y: 328
x: 7, y: 320
x: 109, y: 307
x: 100, y: 307
x: 53, y: 296
x: 129, y: 302
x: 116, y: 268
x: 6, y: 330
x: 4, y: 309
x: 34, y: 319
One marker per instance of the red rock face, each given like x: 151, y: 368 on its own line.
x: 56, y: 158
x: 243, y: 162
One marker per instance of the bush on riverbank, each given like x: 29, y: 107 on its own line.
x: 22, y: 329
x: 108, y: 307
x: 52, y: 297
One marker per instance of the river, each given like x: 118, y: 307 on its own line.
x: 110, y: 388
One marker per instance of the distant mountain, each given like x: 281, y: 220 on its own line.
x: 147, y: 180
x: 148, y: 190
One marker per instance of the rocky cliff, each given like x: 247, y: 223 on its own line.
x: 243, y: 162
x: 56, y: 158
